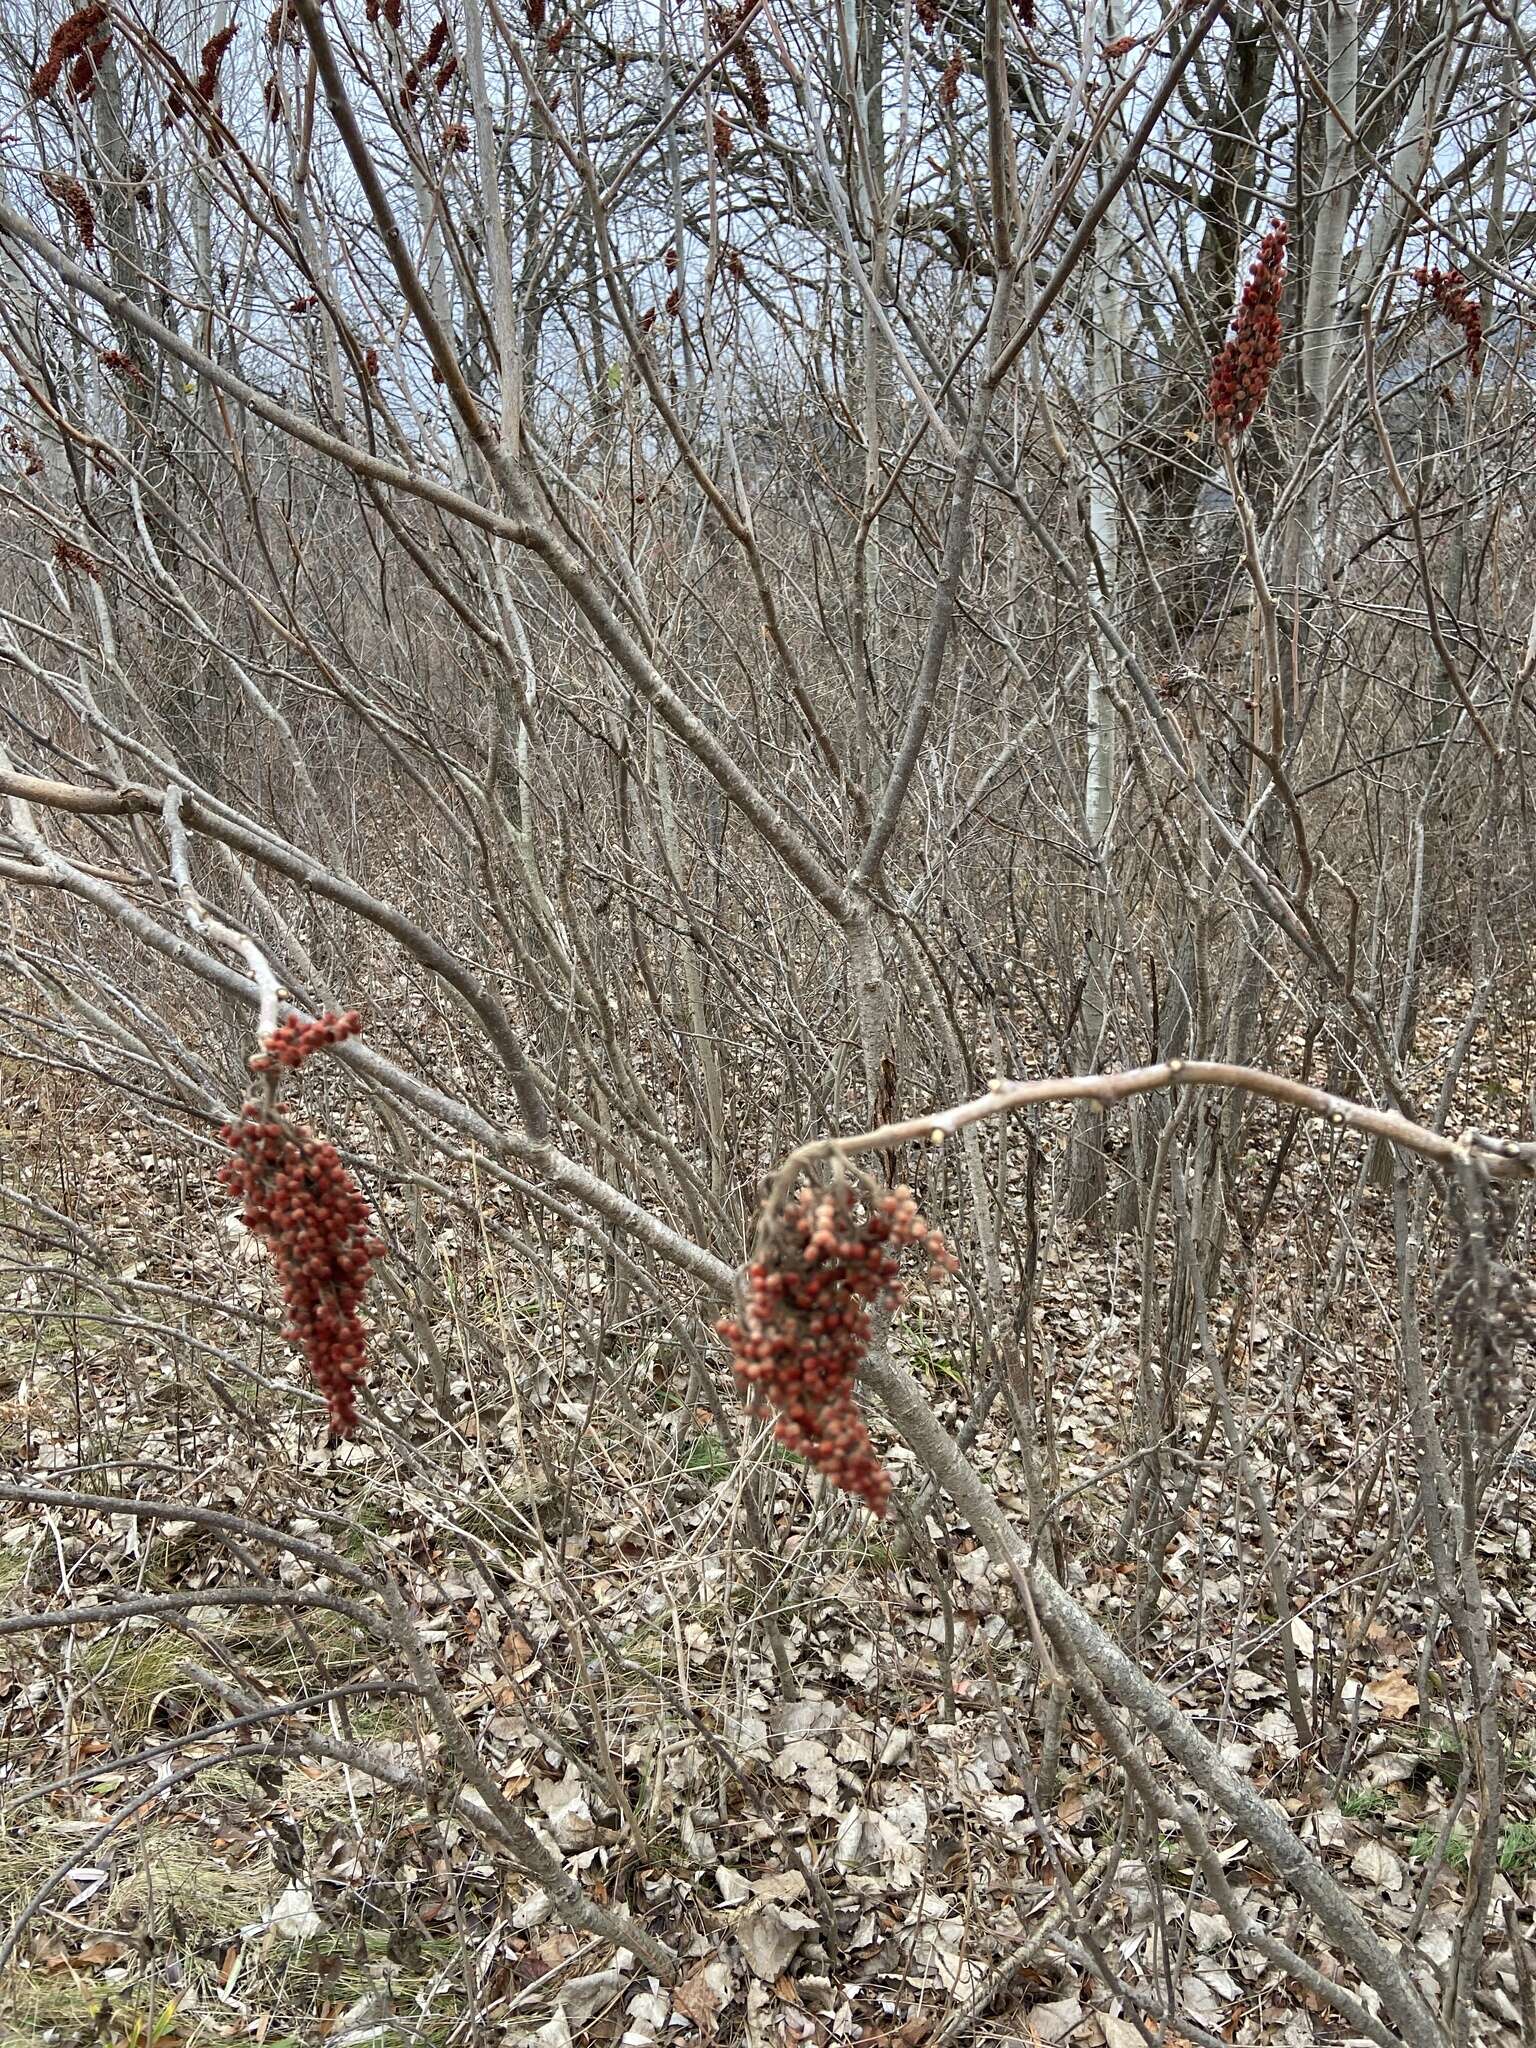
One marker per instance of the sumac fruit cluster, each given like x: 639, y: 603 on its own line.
x: 824, y: 1263
x: 1241, y: 373
x: 291, y: 1044
x: 1454, y: 301
x: 305, y: 1205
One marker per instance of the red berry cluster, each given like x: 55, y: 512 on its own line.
x: 79, y: 40
x: 725, y: 22
x: 1241, y: 374
x: 1454, y: 302
x: 291, y: 1044
x: 824, y: 1263
x: 207, y: 84
x: 307, y: 1208
x: 283, y: 27
x: 72, y: 198
x: 68, y: 556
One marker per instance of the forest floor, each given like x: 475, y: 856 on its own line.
x: 854, y: 1863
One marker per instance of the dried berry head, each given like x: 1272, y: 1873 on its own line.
x: 71, y: 197
x: 720, y: 139
x: 213, y: 56
x: 26, y: 448
x: 949, y: 83
x: 1454, y: 302
x: 292, y: 1043
x: 283, y: 27
x: 83, y: 30
x: 927, y: 12
x: 754, y: 89
x: 69, y: 556
x: 307, y: 1208
x: 1241, y: 373
x: 825, y: 1263
x: 82, y: 73
x: 119, y: 361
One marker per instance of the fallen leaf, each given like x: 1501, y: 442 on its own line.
x: 1053, y: 2021
x: 1375, y: 1862
x: 584, y: 1997
x: 1120, y: 2033
x: 294, y: 1918
x: 1394, y: 1695
x: 704, y: 1993
x: 769, y: 1935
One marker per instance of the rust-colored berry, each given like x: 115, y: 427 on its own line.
x: 84, y: 34
x: 1454, y: 302
x: 305, y: 1205
x: 1241, y: 373
x: 825, y: 1263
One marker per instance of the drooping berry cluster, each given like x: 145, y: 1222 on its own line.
x: 69, y: 556
x: 81, y: 42
x: 207, y: 85
x: 71, y: 197
x: 291, y: 1044
x: 305, y: 1205
x: 1241, y: 373
x: 824, y: 1263
x: 726, y: 21
x: 430, y: 58
x: 1454, y: 302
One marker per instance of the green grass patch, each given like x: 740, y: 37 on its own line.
x: 1422, y: 1847
x: 1362, y: 1802
x: 707, y: 1458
